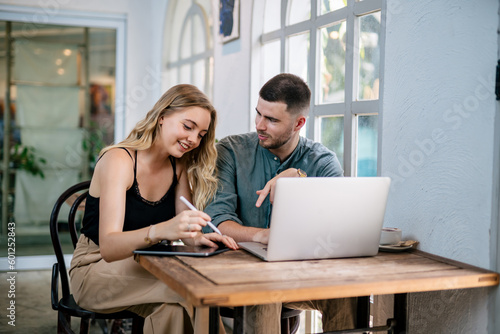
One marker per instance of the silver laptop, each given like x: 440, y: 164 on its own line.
x: 324, y: 217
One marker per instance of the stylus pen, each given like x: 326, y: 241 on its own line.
x: 192, y: 207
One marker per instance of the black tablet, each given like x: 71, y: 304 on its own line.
x: 181, y: 250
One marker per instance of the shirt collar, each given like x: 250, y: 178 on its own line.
x: 298, y: 149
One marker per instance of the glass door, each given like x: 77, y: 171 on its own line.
x: 57, y: 82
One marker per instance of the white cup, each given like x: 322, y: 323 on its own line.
x: 390, y: 236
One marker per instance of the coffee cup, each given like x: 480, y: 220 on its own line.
x: 390, y: 236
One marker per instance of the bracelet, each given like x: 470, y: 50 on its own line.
x: 148, y: 240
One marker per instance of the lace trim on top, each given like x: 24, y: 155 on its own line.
x: 138, y: 193
x: 136, y: 184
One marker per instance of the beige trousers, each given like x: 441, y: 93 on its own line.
x: 124, y: 285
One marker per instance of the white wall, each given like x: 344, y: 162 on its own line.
x: 438, y: 141
x: 439, y: 109
x: 495, y: 228
x: 495, y: 247
x: 232, y: 77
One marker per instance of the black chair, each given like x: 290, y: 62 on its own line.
x: 290, y: 320
x: 66, y: 307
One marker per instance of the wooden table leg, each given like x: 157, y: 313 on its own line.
x: 401, y: 313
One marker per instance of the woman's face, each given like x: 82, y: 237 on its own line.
x: 183, y: 130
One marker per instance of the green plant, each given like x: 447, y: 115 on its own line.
x: 24, y: 158
x: 93, y: 143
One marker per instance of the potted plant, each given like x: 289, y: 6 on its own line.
x: 24, y: 158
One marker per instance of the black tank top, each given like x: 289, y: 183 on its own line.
x: 139, y: 212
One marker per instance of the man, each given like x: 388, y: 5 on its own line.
x: 248, y: 167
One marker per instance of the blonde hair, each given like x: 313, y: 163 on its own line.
x: 200, y: 162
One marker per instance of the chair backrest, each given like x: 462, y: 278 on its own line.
x: 80, y: 189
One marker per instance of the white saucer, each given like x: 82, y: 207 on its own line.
x: 393, y: 248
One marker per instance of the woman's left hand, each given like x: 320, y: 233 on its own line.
x: 209, y: 239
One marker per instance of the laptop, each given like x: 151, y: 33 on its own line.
x: 324, y: 217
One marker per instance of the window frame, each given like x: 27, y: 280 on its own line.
x: 350, y: 108
x: 173, y: 68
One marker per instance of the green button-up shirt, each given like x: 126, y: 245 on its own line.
x: 245, y: 167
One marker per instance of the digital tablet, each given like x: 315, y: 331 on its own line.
x: 181, y: 250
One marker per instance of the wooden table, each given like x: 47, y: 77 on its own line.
x: 236, y: 278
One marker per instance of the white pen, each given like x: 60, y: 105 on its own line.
x: 192, y: 207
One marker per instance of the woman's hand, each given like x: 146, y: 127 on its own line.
x: 186, y: 225
x: 209, y: 239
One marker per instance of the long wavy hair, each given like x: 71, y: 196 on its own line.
x: 201, y: 161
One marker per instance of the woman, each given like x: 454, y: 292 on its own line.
x: 134, y: 202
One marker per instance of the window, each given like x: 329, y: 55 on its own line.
x: 188, y: 50
x: 334, y: 45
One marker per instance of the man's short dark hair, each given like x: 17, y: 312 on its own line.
x: 289, y: 89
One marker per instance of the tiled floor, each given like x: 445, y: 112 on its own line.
x: 33, y: 311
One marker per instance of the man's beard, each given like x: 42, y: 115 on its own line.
x: 273, y: 144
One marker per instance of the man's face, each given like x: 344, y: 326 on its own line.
x: 273, y: 123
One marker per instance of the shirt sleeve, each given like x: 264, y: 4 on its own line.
x: 225, y: 204
x: 331, y: 167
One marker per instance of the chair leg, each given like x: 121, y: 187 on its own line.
x: 137, y: 325
x: 64, y: 324
x: 85, y: 326
x: 290, y: 325
x: 285, y: 326
x: 295, y: 324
